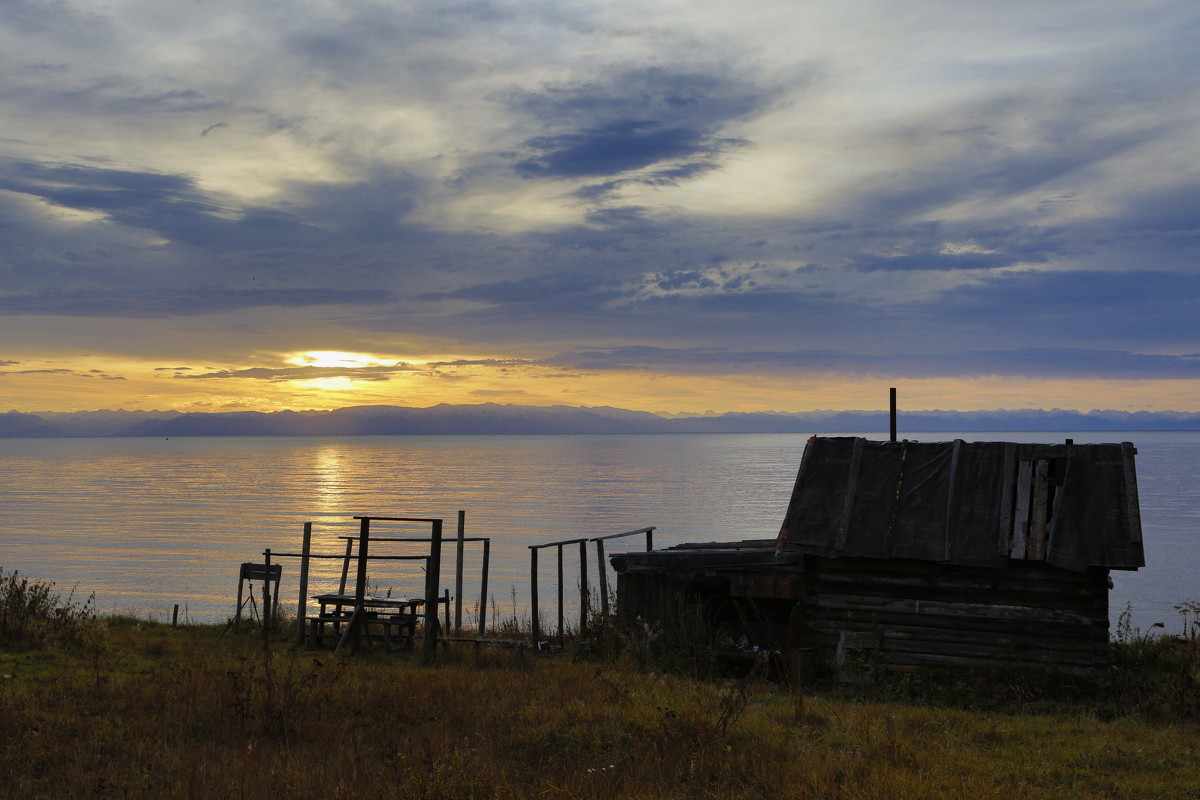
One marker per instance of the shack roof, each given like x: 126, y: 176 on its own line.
x: 970, y: 503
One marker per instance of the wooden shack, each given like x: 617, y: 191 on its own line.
x: 981, y: 554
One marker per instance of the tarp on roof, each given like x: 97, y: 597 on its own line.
x: 979, y: 503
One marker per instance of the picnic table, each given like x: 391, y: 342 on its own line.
x: 392, y: 619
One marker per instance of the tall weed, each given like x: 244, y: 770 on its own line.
x: 32, y: 614
x: 1157, y: 675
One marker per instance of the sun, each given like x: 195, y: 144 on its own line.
x: 337, y: 358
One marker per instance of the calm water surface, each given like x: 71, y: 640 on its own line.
x: 146, y: 523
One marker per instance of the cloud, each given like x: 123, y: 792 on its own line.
x: 484, y: 393
x: 59, y: 371
x: 92, y: 373
x: 376, y: 372
x: 135, y: 304
x: 934, y: 247
x: 611, y: 149
x: 632, y: 119
x: 481, y: 362
x: 124, y: 194
x: 1042, y: 362
x: 280, y: 374
x: 1149, y: 308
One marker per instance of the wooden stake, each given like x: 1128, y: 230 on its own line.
x: 601, y: 567
x: 533, y: 593
x: 458, y: 577
x: 268, y: 596
x: 432, y: 590
x: 561, y: 633
x: 302, y: 603
x: 487, y: 553
x: 360, y: 590
x: 584, y: 600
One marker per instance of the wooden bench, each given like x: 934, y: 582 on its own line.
x: 396, y: 631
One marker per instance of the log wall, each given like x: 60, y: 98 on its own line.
x: 914, y: 614
x: 1023, y: 616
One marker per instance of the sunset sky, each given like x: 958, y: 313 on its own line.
x: 658, y: 205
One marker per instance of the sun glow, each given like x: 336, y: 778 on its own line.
x: 328, y: 384
x: 337, y: 358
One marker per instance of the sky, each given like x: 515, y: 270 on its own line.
x: 657, y: 205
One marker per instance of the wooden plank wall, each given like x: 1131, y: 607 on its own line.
x: 686, y: 606
x: 1026, y: 615
x: 658, y: 600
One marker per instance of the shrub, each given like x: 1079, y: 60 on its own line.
x: 1156, y: 675
x: 33, y: 614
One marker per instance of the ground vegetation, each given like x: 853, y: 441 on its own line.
x: 118, y: 707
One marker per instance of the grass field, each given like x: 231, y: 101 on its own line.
x: 122, y: 708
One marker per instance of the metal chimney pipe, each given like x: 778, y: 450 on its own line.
x: 892, y: 416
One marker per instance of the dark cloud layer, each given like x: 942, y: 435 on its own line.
x: 663, y: 123
x: 1031, y: 362
x: 135, y: 304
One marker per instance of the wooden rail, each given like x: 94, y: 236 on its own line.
x: 535, y: 626
x: 603, y: 565
x: 460, y: 540
x: 432, y: 574
x: 584, y: 599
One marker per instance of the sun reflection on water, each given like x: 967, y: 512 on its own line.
x: 331, y: 479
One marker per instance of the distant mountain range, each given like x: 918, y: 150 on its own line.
x: 490, y: 418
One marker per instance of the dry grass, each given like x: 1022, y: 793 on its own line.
x: 147, y: 710
x: 122, y: 708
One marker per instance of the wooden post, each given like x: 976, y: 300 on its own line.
x: 360, y: 588
x: 649, y: 539
x: 584, y: 600
x: 175, y: 616
x: 561, y: 633
x: 533, y: 594
x: 446, y: 600
x: 487, y: 553
x: 433, y: 569
x: 600, y: 567
x: 346, y: 565
x: 458, y: 577
x: 266, y: 611
x: 347, y: 634
x: 237, y: 615
x: 302, y: 602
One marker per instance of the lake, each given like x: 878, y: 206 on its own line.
x: 147, y: 523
